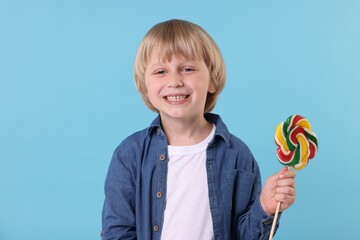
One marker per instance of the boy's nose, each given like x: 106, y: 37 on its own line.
x: 176, y: 81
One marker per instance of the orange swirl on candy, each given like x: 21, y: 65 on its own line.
x: 296, y: 142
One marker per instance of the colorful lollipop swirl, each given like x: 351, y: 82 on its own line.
x: 296, y: 142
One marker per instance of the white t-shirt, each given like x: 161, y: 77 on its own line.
x: 187, y: 212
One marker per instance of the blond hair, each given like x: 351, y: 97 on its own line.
x: 186, y: 39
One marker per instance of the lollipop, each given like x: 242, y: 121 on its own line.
x: 296, y: 145
x: 296, y: 142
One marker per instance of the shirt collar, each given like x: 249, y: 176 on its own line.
x: 221, y: 129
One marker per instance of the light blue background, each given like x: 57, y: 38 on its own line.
x: 67, y: 99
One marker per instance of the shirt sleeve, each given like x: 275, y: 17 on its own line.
x: 118, y: 216
x: 262, y: 222
x: 255, y: 224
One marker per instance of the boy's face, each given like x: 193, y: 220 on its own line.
x: 177, y: 88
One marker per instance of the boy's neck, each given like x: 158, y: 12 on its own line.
x: 181, y: 132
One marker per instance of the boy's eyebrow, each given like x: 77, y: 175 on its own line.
x: 154, y: 65
x: 184, y: 62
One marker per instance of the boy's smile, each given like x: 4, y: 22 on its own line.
x: 177, y: 88
x: 176, y: 99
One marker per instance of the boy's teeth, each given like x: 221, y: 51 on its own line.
x: 175, y: 98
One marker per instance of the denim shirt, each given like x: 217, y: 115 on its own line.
x: 135, y: 187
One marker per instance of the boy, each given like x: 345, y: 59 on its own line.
x: 186, y: 176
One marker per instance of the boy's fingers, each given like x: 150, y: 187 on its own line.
x: 286, y: 182
x: 287, y: 174
x: 285, y: 191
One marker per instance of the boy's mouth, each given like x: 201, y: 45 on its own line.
x: 176, y: 98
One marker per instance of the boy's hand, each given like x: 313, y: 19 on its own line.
x: 278, y: 188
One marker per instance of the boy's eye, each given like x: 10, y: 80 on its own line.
x: 160, y: 72
x: 188, y: 69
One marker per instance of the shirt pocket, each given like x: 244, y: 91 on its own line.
x: 241, y: 190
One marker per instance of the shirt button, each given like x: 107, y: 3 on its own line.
x: 267, y: 222
x: 156, y: 228
x: 159, y: 194
x: 162, y: 157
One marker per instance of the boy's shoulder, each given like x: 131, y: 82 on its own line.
x: 137, y: 139
x: 239, y: 143
x: 222, y: 130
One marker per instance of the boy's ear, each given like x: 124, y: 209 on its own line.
x: 212, y: 88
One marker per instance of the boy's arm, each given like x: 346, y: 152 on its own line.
x: 255, y: 223
x: 118, y: 216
